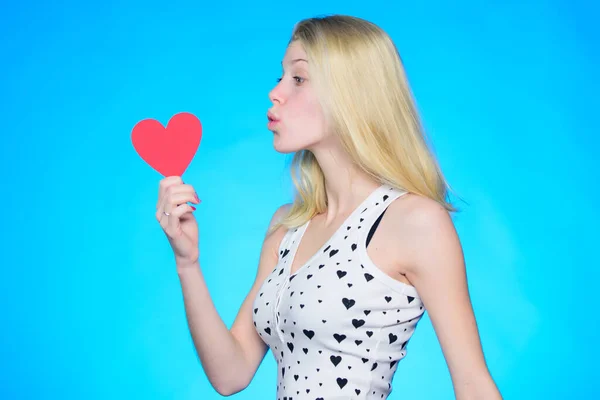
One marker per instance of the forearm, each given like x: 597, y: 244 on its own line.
x: 477, y: 388
x: 219, y: 352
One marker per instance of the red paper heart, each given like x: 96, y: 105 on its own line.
x: 168, y: 150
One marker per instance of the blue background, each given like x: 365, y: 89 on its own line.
x: 91, y: 303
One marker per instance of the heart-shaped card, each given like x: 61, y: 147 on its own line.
x: 168, y: 150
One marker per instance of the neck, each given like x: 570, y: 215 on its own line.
x: 346, y: 185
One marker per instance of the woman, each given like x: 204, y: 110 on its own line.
x: 340, y: 288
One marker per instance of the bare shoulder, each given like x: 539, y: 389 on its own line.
x: 273, y: 240
x: 419, y: 225
x: 280, y: 213
x: 416, y: 209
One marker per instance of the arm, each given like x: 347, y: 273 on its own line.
x: 229, y: 358
x: 437, y: 270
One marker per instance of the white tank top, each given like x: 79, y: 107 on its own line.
x: 338, y: 326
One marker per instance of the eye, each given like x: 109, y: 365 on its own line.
x: 297, y: 78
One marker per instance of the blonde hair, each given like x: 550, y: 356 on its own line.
x: 363, y: 89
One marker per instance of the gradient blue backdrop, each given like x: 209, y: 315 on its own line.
x: 91, y: 303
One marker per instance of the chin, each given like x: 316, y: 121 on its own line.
x: 281, y: 147
x: 283, y: 150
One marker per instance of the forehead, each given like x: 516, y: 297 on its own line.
x: 293, y: 52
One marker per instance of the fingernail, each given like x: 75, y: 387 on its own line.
x: 193, y: 208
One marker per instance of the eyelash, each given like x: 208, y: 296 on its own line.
x: 279, y: 79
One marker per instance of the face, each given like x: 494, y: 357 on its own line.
x: 299, y: 121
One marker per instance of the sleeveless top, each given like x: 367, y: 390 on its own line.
x: 339, y: 325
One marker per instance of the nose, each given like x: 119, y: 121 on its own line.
x: 276, y: 95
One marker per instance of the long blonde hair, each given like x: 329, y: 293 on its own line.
x: 363, y: 89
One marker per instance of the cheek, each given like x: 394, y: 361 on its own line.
x: 307, y: 113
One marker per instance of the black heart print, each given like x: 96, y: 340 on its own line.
x: 358, y: 322
x: 309, y: 334
x: 339, y: 338
x: 348, y: 303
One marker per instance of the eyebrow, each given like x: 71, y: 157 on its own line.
x: 296, y: 60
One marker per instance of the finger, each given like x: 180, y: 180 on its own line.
x: 180, y: 210
x: 175, y: 195
x: 168, y: 193
x: 163, y: 219
x: 164, y: 215
x: 173, y: 220
x: 164, y: 184
x: 163, y: 210
x: 176, y: 199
